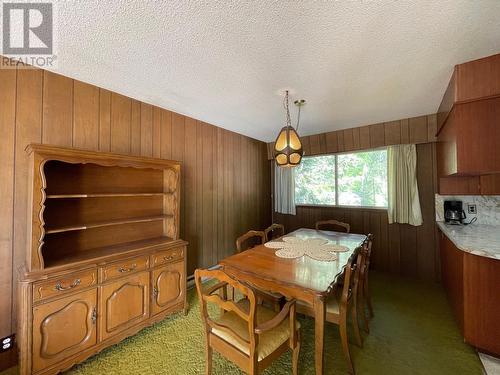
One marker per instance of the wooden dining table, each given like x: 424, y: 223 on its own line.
x: 303, y: 278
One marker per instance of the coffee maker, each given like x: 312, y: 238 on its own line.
x: 454, y: 212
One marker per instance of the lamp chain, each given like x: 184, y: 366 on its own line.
x: 287, y: 109
x: 298, y: 118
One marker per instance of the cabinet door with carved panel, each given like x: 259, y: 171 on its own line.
x: 63, y: 327
x: 123, y: 304
x: 169, y: 283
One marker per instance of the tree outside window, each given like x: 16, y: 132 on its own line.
x: 361, y: 179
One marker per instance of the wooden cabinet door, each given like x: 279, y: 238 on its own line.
x: 452, y: 268
x: 169, y: 283
x: 63, y: 327
x: 123, y: 304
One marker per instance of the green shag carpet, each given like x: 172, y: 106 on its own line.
x: 413, y: 332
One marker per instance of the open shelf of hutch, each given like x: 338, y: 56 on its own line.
x: 104, y: 257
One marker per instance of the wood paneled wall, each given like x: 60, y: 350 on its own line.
x: 415, y: 130
x: 398, y: 248
x: 225, y: 176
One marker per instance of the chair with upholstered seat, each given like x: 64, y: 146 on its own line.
x: 274, y: 231
x: 365, y: 300
x: 335, y: 225
x: 245, y: 333
x: 341, y: 302
x: 247, y: 241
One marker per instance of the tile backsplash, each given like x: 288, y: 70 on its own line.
x: 488, y: 207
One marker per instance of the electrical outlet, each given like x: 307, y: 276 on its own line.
x: 7, y: 343
x: 472, y: 209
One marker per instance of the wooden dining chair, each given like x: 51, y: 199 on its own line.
x: 250, y: 239
x: 249, y: 335
x: 336, y: 225
x: 274, y: 231
x: 341, y: 302
x: 365, y: 300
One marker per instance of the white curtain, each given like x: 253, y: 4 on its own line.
x: 404, y: 203
x: 284, y: 190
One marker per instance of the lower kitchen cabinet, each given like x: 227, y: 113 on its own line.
x: 472, y: 286
x: 123, y: 304
x: 452, y: 276
x: 63, y: 328
x: 169, y: 287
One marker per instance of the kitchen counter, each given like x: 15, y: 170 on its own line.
x: 477, y: 239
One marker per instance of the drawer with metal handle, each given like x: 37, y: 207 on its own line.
x: 167, y: 256
x: 118, y: 269
x: 63, y: 285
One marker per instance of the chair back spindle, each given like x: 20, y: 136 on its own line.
x: 209, y: 295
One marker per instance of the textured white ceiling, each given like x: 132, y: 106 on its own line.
x: 224, y: 62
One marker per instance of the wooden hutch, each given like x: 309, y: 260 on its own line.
x: 104, y: 258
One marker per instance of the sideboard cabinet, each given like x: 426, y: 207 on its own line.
x: 104, y: 258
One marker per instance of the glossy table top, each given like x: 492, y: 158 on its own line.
x: 308, y: 273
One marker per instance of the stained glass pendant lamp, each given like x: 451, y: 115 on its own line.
x: 288, y: 147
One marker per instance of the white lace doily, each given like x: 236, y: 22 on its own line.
x: 316, y: 248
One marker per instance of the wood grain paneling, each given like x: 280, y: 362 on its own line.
x: 157, y: 132
x: 348, y: 140
x: 452, y: 277
x: 468, y: 129
x: 426, y: 233
x: 462, y: 185
x: 8, y: 79
x: 490, y: 184
x: 104, y: 120
x: 405, y: 131
x: 392, y: 132
x: 146, y: 129
x: 315, y: 144
x: 121, y: 108
x: 481, y: 305
x: 225, y: 176
x: 448, y: 100
x: 166, y: 119
x: 398, y: 248
x: 418, y: 129
x: 478, y: 79
x: 57, y: 109
x: 85, y: 116
x: 135, y: 128
x: 364, y: 137
x: 377, y: 135
x: 29, y: 94
x: 331, y: 142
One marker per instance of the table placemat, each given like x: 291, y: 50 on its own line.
x: 316, y: 248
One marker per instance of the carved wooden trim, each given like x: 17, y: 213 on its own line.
x: 75, y: 156
x: 46, y: 321
x: 47, y: 286
x: 41, y: 223
x: 177, y: 284
x: 114, y: 295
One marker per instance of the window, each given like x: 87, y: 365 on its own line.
x: 315, y: 180
x: 354, y: 179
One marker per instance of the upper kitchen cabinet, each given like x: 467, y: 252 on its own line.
x: 469, y: 125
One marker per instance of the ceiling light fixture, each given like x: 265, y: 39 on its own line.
x: 288, y: 147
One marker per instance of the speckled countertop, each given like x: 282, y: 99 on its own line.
x: 477, y: 239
